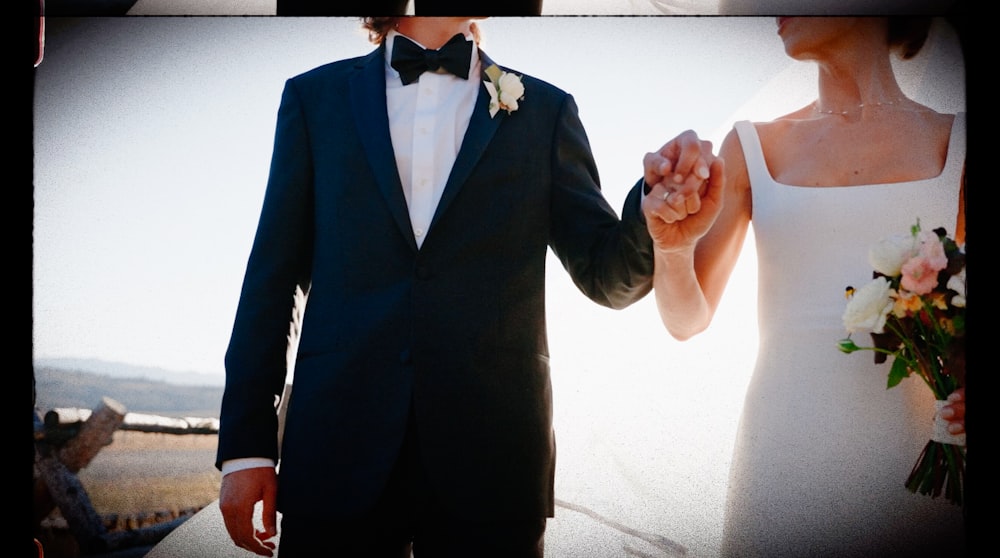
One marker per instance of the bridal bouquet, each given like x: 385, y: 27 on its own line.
x: 914, y: 309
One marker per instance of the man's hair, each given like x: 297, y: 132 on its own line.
x: 907, y: 35
x: 379, y: 27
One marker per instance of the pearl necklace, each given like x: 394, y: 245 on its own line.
x: 859, y: 107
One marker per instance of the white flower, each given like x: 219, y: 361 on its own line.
x: 957, y: 283
x: 868, y: 307
x: 505, y: 90
x: 888, y: 255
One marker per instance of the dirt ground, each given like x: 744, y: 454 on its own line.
x: 142, y: 472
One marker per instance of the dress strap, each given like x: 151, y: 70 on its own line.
x: 753, y: 153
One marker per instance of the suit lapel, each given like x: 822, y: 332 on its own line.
x: 477, y: 138
x: 367, y: 93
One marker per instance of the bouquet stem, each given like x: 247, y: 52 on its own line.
x: 940, y: 468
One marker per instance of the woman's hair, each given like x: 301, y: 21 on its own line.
x: 378, y: 27
x: 907, y: 35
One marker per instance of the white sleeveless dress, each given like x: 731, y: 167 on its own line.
x: 823, y: 448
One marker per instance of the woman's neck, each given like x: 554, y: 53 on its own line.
x: 855, y: 82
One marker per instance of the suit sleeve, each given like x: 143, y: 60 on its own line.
x: 609, y: 259
x: 279, y: 263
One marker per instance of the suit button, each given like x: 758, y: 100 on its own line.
x: 405, y: 357
x: 423, y: 272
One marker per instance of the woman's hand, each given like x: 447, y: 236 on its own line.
x: 954, y: 412
x: 685, y: 181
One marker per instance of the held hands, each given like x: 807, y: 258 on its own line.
x: 241, y: 490
x: 687, y: 181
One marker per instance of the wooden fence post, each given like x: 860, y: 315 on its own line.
x: 57, y: 484
x: 95, y: 433
x: 66, y: 491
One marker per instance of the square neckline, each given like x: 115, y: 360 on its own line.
x: 762, y: 160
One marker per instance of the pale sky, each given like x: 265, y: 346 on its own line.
x: 153, y: 139
x: 152, y: 144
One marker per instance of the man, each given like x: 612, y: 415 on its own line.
x: 416, y: 210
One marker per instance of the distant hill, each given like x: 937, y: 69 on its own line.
x: 122, y: 370
x: 66, y: 386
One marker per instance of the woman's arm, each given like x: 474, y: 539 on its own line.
x: 696, y: 251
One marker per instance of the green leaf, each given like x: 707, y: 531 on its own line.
x: 897, y: 373
x: 494, y: 73
x: 847, y: 345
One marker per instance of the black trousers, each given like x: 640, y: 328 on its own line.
x: 398, y: 8
x: 408, y: 517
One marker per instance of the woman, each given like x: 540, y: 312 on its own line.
x: 823, y: 448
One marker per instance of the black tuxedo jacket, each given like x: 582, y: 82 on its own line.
x: 455, y: 329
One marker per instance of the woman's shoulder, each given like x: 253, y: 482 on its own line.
x: 766, y: 130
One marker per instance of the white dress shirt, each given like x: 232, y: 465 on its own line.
x: 427, y: 121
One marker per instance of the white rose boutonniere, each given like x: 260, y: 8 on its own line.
x: 505, y: 90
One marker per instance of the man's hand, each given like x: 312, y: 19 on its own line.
x: 241, y: 490
x: 687, y: 181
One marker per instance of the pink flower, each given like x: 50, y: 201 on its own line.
x: 919, y: 273
x: 932, y: 249
x: 919, y: 276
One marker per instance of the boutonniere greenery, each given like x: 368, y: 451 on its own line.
x: 505, y: 90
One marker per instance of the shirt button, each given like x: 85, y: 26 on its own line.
x: 419, y: 232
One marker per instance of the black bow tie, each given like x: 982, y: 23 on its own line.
x: 410, y: 60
